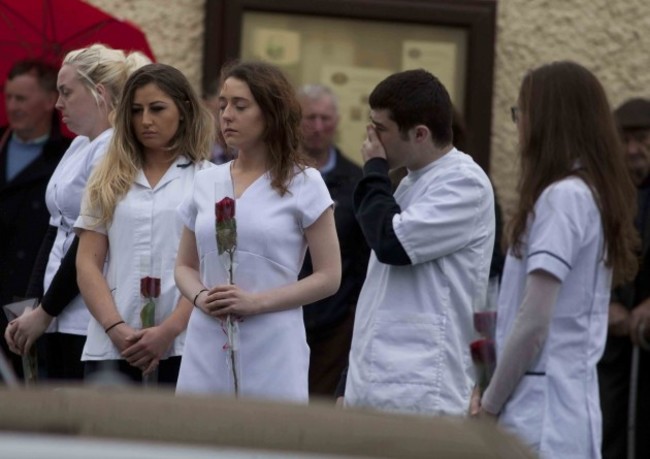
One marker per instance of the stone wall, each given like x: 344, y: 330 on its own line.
x: 611, y: 37
x: 174, y: 29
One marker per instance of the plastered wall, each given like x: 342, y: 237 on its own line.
x: 174, y: 29
x: 611, y: 37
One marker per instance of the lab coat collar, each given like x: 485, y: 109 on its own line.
x: 415, y: 175
x: 173, y: 172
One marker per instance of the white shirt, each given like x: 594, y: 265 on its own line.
x: 273, y: 356
x: 413, y: 324
x: 143, y: 240
x: 63, y: 199
x: 555, y: 408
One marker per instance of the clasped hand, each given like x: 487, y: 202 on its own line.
x: 22, y: 333
x: 639, y: 316
x: 222, y: 300
x: 141, y: 348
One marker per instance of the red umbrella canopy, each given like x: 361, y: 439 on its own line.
x: 48, y: 29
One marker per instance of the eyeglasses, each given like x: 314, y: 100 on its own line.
x: 514, y: 113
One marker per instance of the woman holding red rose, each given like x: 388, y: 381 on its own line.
x: 281, y: 208
x: 571, y: 235
x: 129, y: 231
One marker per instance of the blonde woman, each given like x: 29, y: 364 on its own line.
x: 90, y: 83
x: 163, y: 136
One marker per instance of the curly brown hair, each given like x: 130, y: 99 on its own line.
x: 277, y: 100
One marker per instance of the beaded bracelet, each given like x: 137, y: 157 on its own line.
x: 113, y: 326
x: 196, y: 297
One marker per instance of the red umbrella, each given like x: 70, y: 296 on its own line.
x: 48, y: 29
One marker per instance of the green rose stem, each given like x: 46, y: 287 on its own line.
x: 30, y: 366
x: 150, y: 290
x: 226, y: 234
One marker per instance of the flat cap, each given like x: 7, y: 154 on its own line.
x: 633, y: 114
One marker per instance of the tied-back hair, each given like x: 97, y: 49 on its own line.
x: 99, y: 64
x: 117, y: 171
x: 277, y: 100
x: 568, y: 130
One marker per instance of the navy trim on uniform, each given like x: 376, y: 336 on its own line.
x: 535, y: 373
x: 551, y: 254
x: 375, y: 207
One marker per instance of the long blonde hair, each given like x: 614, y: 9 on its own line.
x: 113, y: 177
x: 99, y: 64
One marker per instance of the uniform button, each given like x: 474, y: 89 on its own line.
x: 36, y: 205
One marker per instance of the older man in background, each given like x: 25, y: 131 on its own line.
x: 629, y: 310
x: 30, y: 149
x: 329, y: 322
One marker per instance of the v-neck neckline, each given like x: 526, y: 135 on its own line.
x: 250, y: 185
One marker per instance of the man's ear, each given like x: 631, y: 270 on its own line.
x: 422, y: 133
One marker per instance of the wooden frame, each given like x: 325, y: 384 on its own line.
x: 223, y: 29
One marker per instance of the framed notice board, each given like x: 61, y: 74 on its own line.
x: 351, y: 45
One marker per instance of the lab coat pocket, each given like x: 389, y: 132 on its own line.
x: 525, y: 413
x: 98, y: 344
x: 406, y: 349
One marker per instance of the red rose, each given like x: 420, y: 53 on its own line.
x: 150, y: 287
x: 485, y: 323
x: 224, y: 210
x: 483, y: 351
x: 484, y: 357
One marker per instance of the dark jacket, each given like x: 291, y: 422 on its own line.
x: 24, y: 216
x: 614, y: 368
x: 328, y: 312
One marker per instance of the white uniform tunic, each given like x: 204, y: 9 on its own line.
x: 273, y: 355
x: 63, y: 199
x: 143, y: 240
x: 555, y: 408
x: 413, y: 324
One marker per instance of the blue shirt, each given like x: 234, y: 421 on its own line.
x: 21, y: 154
x: 330, y: 164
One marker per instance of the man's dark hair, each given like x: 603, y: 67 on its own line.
x: 416, y: 97
x: 44, y: 72
x: 633, y: 114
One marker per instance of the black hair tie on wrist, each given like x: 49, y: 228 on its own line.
x: 113, y: 326
x: 196, y: 297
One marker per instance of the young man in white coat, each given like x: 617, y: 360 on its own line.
x: 431, y: 248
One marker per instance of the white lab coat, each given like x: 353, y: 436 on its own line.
x: 555, y: 409
x: 413, y: 325
x: 143, y: 240
x: 63, y: 199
